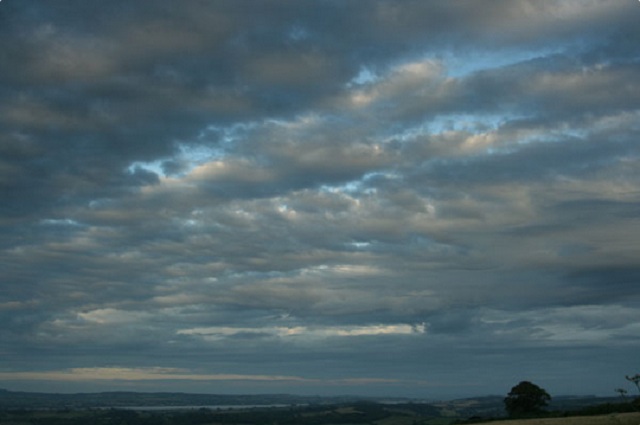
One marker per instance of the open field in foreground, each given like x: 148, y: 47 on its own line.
x: 613, y: 419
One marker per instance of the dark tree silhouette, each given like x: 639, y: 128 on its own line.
x: 526, y: 399
x: 622, y: 392
x: 635, y: 379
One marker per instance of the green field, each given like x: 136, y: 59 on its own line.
x: 17, y: 408
x: 341, y: 416
x: 612, y: 419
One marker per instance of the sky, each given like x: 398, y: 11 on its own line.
x: 427, y: 199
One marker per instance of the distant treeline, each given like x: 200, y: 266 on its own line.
x: 581, y: 408
x: 341, y: 414
x: 31, y: 400
x: 117, y: 408
x: 357, y: 413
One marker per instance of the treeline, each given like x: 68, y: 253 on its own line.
x: 606, y: 408
x: 356, y: 413
x: 593, y: 410
x: 353, y: 413
x: 32, y: 400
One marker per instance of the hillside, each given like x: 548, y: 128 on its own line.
x: 612, y: 419
x: 34, y: 400
x: 136, y: 408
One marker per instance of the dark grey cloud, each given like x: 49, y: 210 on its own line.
x: 393, y: 197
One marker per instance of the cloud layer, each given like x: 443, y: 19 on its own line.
x: 400, y: 197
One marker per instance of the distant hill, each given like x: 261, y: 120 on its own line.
x: 476, y: 407
x: 117, y: 408
x: 33, y: 400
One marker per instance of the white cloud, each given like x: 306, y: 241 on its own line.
x: 316, y: 332
x: 137, y: 374
x: 111, y: 316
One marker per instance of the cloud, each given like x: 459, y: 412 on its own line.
x: 304, y: 332
x: 159, y: 374
x: 410, y: 191
x: 142, y: 374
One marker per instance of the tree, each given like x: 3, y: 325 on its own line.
x: 635, y: 379
x: 622, y: 392
x: 526, y: 399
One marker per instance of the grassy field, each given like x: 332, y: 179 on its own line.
x: 613, y: 419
